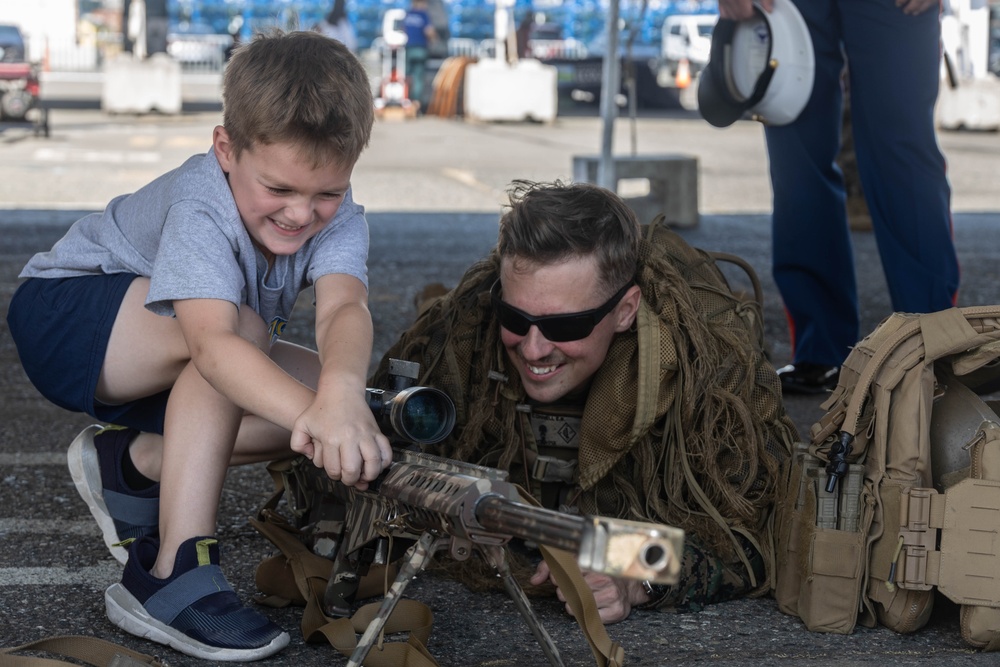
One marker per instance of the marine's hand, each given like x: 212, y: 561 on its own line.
x: 615, y: 598
x: 914, y: 7
x: 340, y: 435
x: 741, y: 10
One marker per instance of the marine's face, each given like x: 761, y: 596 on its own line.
x: 552, y: 370
x: 283, y: 200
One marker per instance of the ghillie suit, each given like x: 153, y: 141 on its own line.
x: 683, y: 423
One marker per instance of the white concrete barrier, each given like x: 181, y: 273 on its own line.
x: 496, y: 91
x: 673, y: 184
x: 141, y: 86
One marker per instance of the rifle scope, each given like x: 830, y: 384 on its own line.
x: 421, y: 415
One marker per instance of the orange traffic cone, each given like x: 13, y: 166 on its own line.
x: 683, y: 79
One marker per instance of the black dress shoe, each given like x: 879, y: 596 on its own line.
x: 806, y: 378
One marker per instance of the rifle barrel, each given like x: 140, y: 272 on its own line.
x: 509, y: 517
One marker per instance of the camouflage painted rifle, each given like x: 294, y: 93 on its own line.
x: 432, y: 504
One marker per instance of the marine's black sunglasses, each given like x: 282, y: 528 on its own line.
x: 561, y: 328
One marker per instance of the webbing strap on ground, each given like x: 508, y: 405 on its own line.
x: 91, y: 650
x: 311, y: 572
x: 580, y: 598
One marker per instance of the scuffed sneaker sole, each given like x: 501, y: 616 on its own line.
x: 86, y: 472
x: 128, y: 614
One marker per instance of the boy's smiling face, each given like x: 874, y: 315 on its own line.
x: 283, y: 200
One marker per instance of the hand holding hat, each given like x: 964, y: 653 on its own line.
x: 764, y: 65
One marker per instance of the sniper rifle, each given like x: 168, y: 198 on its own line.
x: 432, y: 504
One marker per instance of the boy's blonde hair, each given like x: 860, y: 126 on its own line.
x: 299, y: 87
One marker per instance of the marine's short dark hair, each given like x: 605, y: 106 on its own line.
x: 553, y: 222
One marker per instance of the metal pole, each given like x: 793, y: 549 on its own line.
x: 610, y: 78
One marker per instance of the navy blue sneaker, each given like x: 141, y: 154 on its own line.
x: 195, y: 610
x: 122, y: 513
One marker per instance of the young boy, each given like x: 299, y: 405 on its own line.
x: 161, y: 315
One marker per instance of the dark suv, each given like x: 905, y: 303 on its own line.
x: 11, y: 44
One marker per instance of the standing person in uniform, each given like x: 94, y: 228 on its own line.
x: 893, y: 48
x: 420, y: 34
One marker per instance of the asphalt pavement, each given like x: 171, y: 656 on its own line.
x: 433, y: 189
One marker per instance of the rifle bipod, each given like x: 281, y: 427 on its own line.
x: 416, y: 560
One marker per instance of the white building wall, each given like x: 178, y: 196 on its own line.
x: 43, y: 22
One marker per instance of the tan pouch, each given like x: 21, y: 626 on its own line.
x: 899, y: 602
x: 787, y: 525
x: 981, y: 625
x: 824, y: 586
x: 820, y: 567
x: 829, y: 597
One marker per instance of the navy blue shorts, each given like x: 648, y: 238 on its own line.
x: 61, y: 327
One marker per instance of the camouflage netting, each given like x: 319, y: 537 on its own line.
x: 683, y: 425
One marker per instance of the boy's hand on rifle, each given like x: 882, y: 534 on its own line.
x: 340, y: 436
x: 614, y: 597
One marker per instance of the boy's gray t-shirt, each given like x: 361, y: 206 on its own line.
x: 184, y: 232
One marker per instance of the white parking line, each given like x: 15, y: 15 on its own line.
x: 104, y: 574
x: 466, y: 178
x: 33, y: 458
x: 101, y: 575
x: 101, y: 156
x: 24, y: 526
